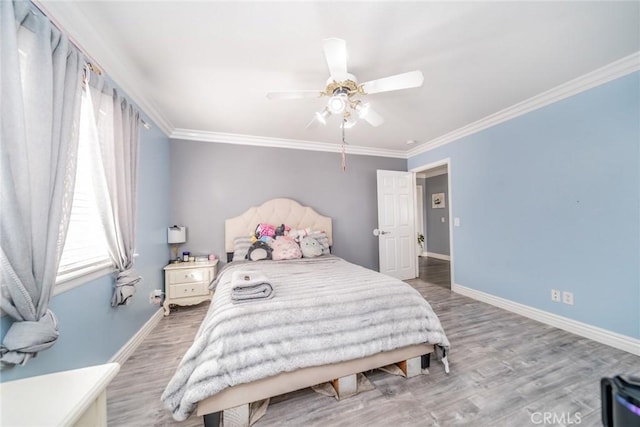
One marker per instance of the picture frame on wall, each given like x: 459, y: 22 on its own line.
x: 438, y: 201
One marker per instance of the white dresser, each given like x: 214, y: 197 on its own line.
x: 187, y: 283
x: 69, y: 398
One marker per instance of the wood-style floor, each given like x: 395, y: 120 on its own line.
x: 436, y: 271
x: 504, y: 369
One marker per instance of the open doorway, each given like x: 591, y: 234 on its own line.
x: 433, y: 218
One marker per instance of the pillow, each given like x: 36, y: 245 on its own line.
x: 310, y: 247
x: 265, y: 230
x: 285, y: 248
x: 323, y: 239
x: 258, y: 251
x: 298, y: 234
x: 241, y: 246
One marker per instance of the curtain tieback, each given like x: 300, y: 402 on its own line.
x: 125, y: 287
x: 29, y: 336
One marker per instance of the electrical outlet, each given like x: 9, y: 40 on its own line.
x: 555, y: 295
x: 155, y: 297
x: 567, y: 297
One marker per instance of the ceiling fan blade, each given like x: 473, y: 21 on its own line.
x: 335, y: 52
x: 372, y: 117
x: 399, y: 81
x: 294, y: 94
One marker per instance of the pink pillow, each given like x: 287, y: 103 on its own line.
x: 285, y: 248
x: 264, y: 229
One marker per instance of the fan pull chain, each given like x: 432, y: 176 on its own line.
x: 344, y: 159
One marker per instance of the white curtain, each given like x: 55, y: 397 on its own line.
x: 41, y: 84
x: 115, y: 179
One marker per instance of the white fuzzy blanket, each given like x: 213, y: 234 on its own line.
x: 326, y: 310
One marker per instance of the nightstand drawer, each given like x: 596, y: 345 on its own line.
x: 188, y: 290
x: 189, y: 275
x: 187, y: 283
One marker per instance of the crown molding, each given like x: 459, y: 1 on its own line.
x: 263, y: 141
x: 72, y: 22
x: 612, y: 71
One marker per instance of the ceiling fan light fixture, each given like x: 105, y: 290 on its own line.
x: 348, y: 123
x: 337, y: 104
x: 363, y: 109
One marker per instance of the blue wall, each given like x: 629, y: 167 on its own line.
x: 91, y: 331
x: 551, y: 200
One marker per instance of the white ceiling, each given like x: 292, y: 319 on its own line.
x: 204, y: 67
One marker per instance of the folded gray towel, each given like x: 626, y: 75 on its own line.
x: 244, y: 278
x: 247, y: 286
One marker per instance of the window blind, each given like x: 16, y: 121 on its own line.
x: 85, y: 247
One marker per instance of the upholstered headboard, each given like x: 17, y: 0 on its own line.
x: 275, y: 212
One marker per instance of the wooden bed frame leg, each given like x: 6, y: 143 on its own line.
x: 212, y: 420
x: 411, y: 367
x: 236, y: 417
x: 346, y: 386
x: 426, y: 360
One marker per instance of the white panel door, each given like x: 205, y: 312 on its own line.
x: 396, y: 224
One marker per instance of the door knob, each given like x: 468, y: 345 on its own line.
x: 378, y: 232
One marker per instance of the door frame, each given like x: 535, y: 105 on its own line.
x: 432, y: 165
x: 420, y: 214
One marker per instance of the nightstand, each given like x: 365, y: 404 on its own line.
x: 187, y: 283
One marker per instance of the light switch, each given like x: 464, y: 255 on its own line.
x: 456, y: 222
x: 442, y: 219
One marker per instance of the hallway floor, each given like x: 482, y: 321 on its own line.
x: 436, y: 271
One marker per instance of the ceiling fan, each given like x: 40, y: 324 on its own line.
x: 343, y: 89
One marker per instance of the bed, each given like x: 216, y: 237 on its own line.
x: 327, y: 321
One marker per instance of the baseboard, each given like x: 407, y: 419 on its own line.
x: 439, y: 256
x: 127, y: 350
x: 613, y: 339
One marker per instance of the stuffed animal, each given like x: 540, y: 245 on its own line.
x: 258, y: 251
x: 310, y: 247
x: 282, y: 230
x: 266, y: 239
x: 285, y: 247
x: 299, y: 234
x: 263, y: 230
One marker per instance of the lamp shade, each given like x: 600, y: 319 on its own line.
x: 177, y: 234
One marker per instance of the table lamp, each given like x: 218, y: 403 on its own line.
x: 175, y: 235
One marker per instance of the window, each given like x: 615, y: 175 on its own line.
x: 85, y: 249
